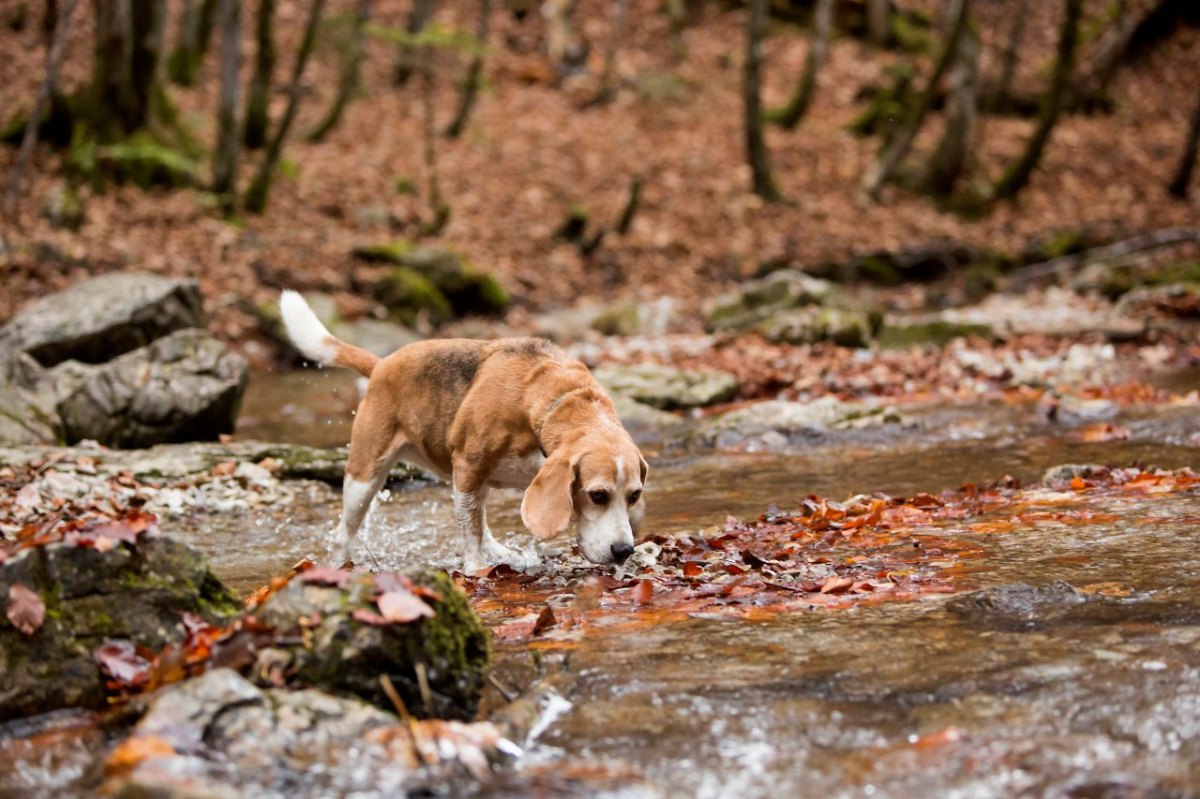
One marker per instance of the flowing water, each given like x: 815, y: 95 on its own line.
x: 908, y: 699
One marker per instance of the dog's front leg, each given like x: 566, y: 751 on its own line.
x: 469, y: 523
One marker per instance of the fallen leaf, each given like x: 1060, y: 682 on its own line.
x: 120, y: 660
x: 132, y: 751
x: 836, y: 585
x: 402, y: 606
x: 25, y: 609
x: 27, y: 498
x: 643, y: 592
x: 545, y: 621
x: 325, y: 575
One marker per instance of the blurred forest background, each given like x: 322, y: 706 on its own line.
x: 573, y: 149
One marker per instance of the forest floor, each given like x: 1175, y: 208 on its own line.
x: 532, y: 152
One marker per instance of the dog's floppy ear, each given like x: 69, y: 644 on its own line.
x: 548, y: 505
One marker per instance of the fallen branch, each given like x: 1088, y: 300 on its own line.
x: 1109, y: 252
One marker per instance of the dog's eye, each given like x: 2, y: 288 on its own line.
x: 634, y: 496
x: 599, y: 497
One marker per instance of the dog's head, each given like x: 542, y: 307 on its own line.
x: 597, y: 480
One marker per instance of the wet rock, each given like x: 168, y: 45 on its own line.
x: 1017, y: 606
x: 667, y: 387
x: 1064, y: 473
x: 27, y: 417
x: 646, y: 423
x: 757, y: 300
x: 1174, y: 299
x: 132, y: 591
x: 777, y: 424
x: 375, y: 335
x: 184, y: 387
x: 1073, y: 409
x: 633, y: 318
x: 811, y: 325
x: 104, y: 317
x: 436, y: 662
x: 437, y: 281
x: 218, y: 735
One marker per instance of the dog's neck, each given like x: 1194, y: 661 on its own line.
x: 568, y: 415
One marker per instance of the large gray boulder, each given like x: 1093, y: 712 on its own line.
x: 778, y: 424
x: 667, y: 387
x: 184, y: 387
x: 99, y: 319
x: 119, y: 581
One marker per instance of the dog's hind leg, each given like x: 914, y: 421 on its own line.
x: 375, y: 447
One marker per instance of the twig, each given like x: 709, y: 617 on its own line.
x: 506, y: 692
x: 53, y: 61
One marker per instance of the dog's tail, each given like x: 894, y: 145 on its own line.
x: 315, y: 342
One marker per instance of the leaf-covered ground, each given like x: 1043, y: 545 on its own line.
x: 531, y: 154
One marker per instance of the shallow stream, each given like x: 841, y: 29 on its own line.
x: 904, y: 699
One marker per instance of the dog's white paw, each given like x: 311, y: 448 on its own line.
x: 492, y: 553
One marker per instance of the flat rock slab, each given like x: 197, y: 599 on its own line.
x: 778, y: 424
x: 99, y: 319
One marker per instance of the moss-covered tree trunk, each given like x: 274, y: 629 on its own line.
x: 894, y: 153
x: 1187, y: 164
x: 195, y: 30
x: 1017, y: 175
x: 406, y: 58
x: 790, y: 115
x: 260, y: 187
x: 949, y: 159
x: 350, y: 77
x: 258, y: 97
x: 126, y: 93
x: 225, y: 160
x: 608, y: 78
x: 469, y: 89
x: 756, y: 145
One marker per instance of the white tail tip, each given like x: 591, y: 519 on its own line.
x: 305, y: 329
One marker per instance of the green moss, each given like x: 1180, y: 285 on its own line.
x: 1058, y: 245
x: 408, y: 292
x: 937, y: 332
x: 880, y: 270
x: 912, y: 33
x: 391, y: 252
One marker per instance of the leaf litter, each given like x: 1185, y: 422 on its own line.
x: 823, y: 554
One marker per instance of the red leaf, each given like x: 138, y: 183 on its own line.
x: 369, y: 617
x: 120, y: 660
x: 402, y: 606
x: 692, y: 569
x: 325, y: 575
x: 25, y: 610
x: 836, y: 585
x: 643, y: 592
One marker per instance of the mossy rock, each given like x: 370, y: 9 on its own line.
x: 936, y: 332
x: 140, y: 160
x: 342, y: 653
x: 133, y: 592
x: 433, y: 280
x: 667, y: 387
x: 1114, y: 281
x: 846, y: 328
x: 757, y: 300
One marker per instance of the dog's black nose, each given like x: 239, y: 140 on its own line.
x: 621, y: 552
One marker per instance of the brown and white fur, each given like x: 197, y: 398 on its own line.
x: 511, y: 413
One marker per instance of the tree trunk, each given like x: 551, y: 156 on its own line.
x: 1187, y: 164
x: 560, y: 38
x: 890, y: 160
x: 418, y: 18
x: 1110, y: 50
x: 441, y: 211
x: 125, y: 90
x: 677, y: 15
x: 258, y: 98
x: 47, y: 89
x: 878, y: 29
x: 790, y: 115
x: 225, y: 159
x: 349, y: 78
x: 1018, y: 174
x: 950, y: 158
x: 195, y: 29
x: 260, y: 187
x: 756, y: 146
x: 470, y: 85
x: 1010, y: 60
x: 608, y: 89
x: 49, y: 23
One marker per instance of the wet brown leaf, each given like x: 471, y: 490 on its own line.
x: 25, y: 609
x: 120, y: 660
x: 132, y: 751
x: 643, y: 592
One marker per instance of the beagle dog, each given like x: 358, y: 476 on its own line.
x: 511, y: 413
